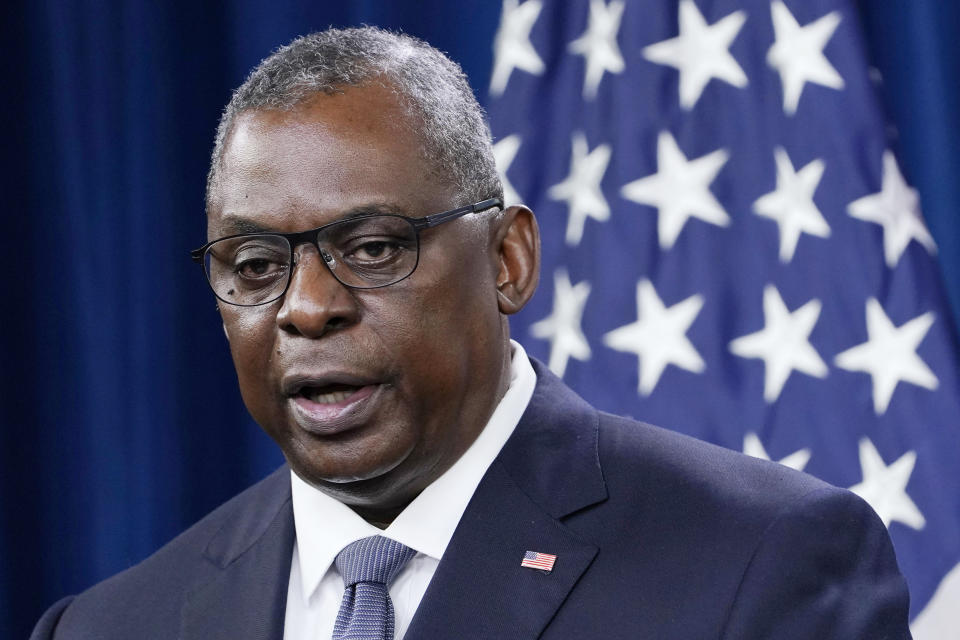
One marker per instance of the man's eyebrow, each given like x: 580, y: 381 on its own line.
x: 232, y: 224
x: 377, y: 208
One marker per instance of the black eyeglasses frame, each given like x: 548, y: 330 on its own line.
x: 310, y: 236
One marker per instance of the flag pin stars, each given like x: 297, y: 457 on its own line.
x: 536, y: 560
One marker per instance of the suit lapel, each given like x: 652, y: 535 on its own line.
x: 251, y: 555
x: 548, y: 469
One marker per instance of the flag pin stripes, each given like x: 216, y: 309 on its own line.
x: 537, y: 560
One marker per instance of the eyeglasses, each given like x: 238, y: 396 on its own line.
x: 363, y: 252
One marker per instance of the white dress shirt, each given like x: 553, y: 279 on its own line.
x: 325, y: 526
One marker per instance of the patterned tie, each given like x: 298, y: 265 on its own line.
x: 367, y: 567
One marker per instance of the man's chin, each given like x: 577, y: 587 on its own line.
x: 380, y: 485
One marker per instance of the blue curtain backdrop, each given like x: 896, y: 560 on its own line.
x: 121, y: 421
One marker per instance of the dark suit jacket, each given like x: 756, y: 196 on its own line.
x: 656, y: 535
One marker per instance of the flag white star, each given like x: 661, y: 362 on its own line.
x: 890, y: 354
x: 783, y: 344
x: 504, y: 151
x: 658, y: 337
x: 680, y: 189
x: 581, y: 189
x: 512, y: 48
x: 753, y: 447
x: 599, y: 44
x: 896, y: 207
x: 798, y: 53
x: 700, y: 52
x: 885, y: 487
x: 562, y: 326
x: 791, y: 204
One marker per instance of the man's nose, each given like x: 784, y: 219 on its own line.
x: 315, y: 302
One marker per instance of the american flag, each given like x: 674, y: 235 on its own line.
x: 537, y: 560
x: 732, y: 248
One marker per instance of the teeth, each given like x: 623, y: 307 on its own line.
x: 328, y: 398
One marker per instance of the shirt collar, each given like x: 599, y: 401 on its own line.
x: 324, y: 525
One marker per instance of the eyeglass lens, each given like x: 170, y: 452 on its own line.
x: 366, y: 252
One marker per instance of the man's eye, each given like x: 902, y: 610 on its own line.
x: 374, y: 250
x: 258, y: 268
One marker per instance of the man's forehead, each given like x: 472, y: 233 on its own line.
x: 359, y: 129
x: 329, y: 157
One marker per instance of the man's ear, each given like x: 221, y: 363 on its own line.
x: 517, y: 242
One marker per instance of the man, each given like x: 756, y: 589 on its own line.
x: 365, y: 268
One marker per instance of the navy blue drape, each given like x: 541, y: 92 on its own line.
x: 121, y: 421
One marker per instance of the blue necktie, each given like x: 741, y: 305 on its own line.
x: 367, y: 567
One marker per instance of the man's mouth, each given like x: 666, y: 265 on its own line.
x: 326, y: 405
x: 331, y: 394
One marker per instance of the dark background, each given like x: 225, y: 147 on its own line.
x: 120, y: 420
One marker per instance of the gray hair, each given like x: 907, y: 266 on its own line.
x: 452, y: 127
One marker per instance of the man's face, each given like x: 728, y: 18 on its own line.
x: 371, y: 394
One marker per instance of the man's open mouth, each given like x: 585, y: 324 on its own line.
x: 329, y: 394
x: 333, y: 402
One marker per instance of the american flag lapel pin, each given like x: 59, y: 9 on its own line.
x: 536, y: 560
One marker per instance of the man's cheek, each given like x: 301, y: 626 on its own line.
x: 249, y: 334
x: 246, y: 358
